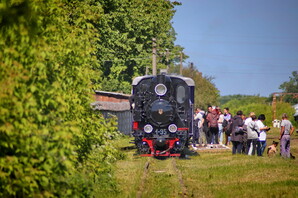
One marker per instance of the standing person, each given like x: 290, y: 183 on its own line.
x: 263, y: 135
x: 244, y: 147
x: 227, y: 117
x: 213, y: 125
x: 195, y: 136
x: 205, y: 125
x: 247, y: 121
x: 200, y: 121
x: 252, y: 135
x: 237, y: 133
x: 220, y: 127
x: 286, y: 131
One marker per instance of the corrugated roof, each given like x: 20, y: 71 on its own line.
x: 110, y: 106
x: 112, y: 94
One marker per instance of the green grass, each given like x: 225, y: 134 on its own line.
x: 224, y: 175
x: 211, y: 174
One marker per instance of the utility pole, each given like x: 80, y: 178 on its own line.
x: 181, y: 63
x: 167, y: 59
x: 274, y: 106
x: 154, y: 56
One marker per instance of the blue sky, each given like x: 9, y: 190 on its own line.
x: 249, y: 46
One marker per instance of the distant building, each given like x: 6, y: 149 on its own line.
x: 116, y: 104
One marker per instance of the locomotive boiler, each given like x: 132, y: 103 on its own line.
x: 162, y: 110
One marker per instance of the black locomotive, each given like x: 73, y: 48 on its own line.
x: 162, y: 109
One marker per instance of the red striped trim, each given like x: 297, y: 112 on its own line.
x: 182, y: 129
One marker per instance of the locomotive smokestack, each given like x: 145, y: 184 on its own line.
x: 161, y: 78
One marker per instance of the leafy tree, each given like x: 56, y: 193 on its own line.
x: 125, y: 44
x: 291, y: 87
x: 205, y: 91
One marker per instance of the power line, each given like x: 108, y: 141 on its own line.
x: 244, y: 72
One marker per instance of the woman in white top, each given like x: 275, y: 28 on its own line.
x: 220, y: 128
x: 263, y: 135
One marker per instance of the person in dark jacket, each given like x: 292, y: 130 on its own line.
x: 205, y: 125
x: 237, y: 133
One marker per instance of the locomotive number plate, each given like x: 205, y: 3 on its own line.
x: 161, y: 131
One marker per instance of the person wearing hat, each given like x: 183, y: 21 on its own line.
x: 286, y: 131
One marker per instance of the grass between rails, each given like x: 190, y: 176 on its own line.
x: 212, y: 174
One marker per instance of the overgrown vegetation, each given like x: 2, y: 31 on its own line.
x: 52, y: 144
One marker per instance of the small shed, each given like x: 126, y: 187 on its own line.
x: 116, y: 104
x: 276, y: 123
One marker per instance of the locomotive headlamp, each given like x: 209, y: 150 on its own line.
x: 148, y: 128
x: 160, y: 89
x: 172, y: 128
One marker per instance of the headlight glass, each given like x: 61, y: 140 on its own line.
x: 172, y: 128
x: 160, y: 89
x: 148, y: 128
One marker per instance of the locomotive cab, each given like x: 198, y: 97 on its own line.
x: 162, y: 109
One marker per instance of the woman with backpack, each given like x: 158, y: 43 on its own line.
x: 237, y: 133
x: 213, y: 125
x: 226, y: 125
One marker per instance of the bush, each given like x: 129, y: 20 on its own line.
x: 52, y: 143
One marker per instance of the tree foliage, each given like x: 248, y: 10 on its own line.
x: 258, y: 105
x: 233, y: 101
x: 291, y: 86
x: 205, y: 91
x: 125, y: 44
x: 49, y: 135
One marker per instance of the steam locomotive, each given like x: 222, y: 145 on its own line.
x: 162, y: 109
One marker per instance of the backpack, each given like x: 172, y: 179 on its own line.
x: 213, y: 122
x: 228, y: 128
x: 225, y: 123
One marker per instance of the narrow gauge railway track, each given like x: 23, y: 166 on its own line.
x: 143, y: 179
x: 172, y: 179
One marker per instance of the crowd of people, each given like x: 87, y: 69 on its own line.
x: 246, y: 134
